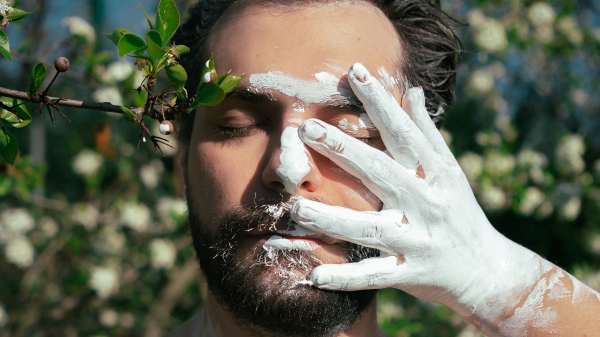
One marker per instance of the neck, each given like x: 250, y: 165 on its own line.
x: 215, y: 321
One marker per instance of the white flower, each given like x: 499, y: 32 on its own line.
x: 104, y: 281
x: 110, y: 94
x: 135, y: 216
x: 118, y: 71
x: 86, y: 215
x: 48, y: 227
x: 491, y: 36
x: 15, y: 221
x: 87, y: 163
x: 595, y: 244
x: 110, y: 241
x: 570, y: 210
x: 79, y: 27
x: 492, y: 198
x: 569, y: 152
x: 580, y: 97
x: 472, y: 166
x: 541, y: 14
x: 127, y: 320
x: 170, y: 210
x: 149, y: 176
x: 530, y: 200
x: 162, y: 253
x: 446, y: 135
x: 568, y: 25
x: 5, y: 6
x: 3, y: 316
x: 530, y: 158
x: 20, y: 251
x: 498, y: 164
x: 389, y: 311
x: 544, y: 34
x: 475, y: 17
x: 545, y: 210
x: 109, y: 318
x: 482, y: 81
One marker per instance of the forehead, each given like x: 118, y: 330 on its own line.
x: 305, y: 40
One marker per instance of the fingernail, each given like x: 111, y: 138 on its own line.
x: 313, y: 131
x: 300, y: 213
x: 359, y: 72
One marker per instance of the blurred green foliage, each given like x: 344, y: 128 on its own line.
x: 93, y: 234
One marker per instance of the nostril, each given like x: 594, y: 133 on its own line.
x: 307, y: 185
x: 277, y: 186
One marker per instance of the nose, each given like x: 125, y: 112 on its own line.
x: 291, y: 167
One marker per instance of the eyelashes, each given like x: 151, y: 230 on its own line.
x: 228, y: 133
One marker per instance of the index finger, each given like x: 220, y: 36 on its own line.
x: 403, y: 139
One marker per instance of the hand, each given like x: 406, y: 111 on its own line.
x: 435, y: 241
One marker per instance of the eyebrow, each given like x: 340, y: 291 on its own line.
x: 343, y: 103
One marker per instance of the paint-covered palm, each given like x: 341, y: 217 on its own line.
x: 435, y: 241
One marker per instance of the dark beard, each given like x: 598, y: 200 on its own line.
x: 264, y: 293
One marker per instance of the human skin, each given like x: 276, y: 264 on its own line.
x: 225, y: 173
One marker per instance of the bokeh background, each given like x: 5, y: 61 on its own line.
x: 93, y: 235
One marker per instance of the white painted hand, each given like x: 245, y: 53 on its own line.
x: 435, y: 241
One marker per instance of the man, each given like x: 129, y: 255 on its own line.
x: 307, y: 169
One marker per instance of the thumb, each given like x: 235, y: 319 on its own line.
x: 371, y: 273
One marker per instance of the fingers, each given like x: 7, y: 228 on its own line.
x: 413, y: 102
x: 363, y: 228
x: 401, y: 136
x: 372, y: 273
x: 380, y: 174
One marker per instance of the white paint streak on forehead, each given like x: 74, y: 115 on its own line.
x: 294, y: 164
x: 389, y: 81
x: 321, y: 90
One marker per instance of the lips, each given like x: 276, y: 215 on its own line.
x: 292, y: 231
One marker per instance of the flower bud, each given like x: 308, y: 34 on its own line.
x: 209, y: 78
x: 61, y: 64
x: 166, y: 127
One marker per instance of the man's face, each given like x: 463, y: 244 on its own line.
x: 294, y: 61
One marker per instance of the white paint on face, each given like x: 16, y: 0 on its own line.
x: 294, y: 164
x: 365, y: 122
x: 323, y: 89
x: 389, y: 81
x: 348, y: 127
x: 299, y: 106
x: 278, y: 242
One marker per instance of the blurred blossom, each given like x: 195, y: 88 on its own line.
x: 127, y: 149
x: 541, y: 14
x: 170, y: 209
x: 109, y: 318
x: 79, y: 27
x: 498, y: 164
x: 544, y: 34
x: 522, y: 30
x: 592, y: 280
x: 568, y: 25
x: 491, y: 36
x: 48, y: 227
x: 470, y: 331
x: 482, y: 81
x: 537, y: 175
x: 138, y: 77
x: 110, y: 241
x: 472, y: 166
x: 482, y: 138
x: 475, y: 17
x: 584, y: 179
x: 86, y: 215
x: 492, y: 198
x: 530, y: 158
x: 446, y: 135
x: 110, y: 94
x: 570, y: 210
x: 579, y: 97
x: 127, y: 320
x: 545, y: 210
x: 569, y: 152
x: 389, y: 311
x: 3, y: 316
x: 594, y: 244
x: 14, y: 222
x: 19, y: 251
x: 87, y: 163
x: 117, y: 72
x: 136, y: 216
x: 162, y: 253
x: 149, y: 176
x: 530, y: 200
x: 104, y: 281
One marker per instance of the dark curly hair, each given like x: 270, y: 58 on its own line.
x: 431, y: 51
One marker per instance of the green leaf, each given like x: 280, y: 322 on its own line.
x: 210, y: 95
x: 167, y: 20
x: 230, y: 82
x: 9, y: 118
x: 117, y: 34
x: 130, y: 115
x: 17, y: 14
x: 130, y: 43
x: 208, y: 67
x: 9, y: 147
x: 155, y: 50
x: 182, y: 50
x: 4, y: 47
x: 38, y: 74
x: 148, y: 18
x: 177, y: 76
